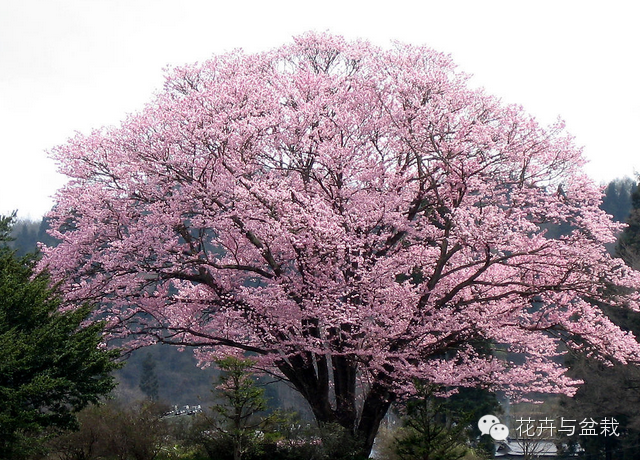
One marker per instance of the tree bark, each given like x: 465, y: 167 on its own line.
x: 313, y: 384
x: 376, y: 404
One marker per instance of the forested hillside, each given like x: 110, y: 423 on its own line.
x: 617, y: 199
x: 27, y: 234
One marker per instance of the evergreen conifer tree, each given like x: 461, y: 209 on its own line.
x: 51, y: 365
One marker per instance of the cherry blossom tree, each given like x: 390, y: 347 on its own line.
x: 356, y: 217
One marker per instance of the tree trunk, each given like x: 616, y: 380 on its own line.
x: 312, y: 381
x: 376, y: 404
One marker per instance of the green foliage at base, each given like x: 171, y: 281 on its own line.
x: 443, y: 428
x: 111, y: 431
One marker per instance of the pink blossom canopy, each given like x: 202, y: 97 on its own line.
x: 331, y: 203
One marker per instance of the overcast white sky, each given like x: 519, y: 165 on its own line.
x: 69, y: 66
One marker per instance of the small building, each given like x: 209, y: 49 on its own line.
x: 525, y: 449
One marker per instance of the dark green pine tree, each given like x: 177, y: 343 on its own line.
x: 236, y: 418
x: 438, y: 428
x: 629, y: 243
x: 51, y: 363
x: 149, y: 379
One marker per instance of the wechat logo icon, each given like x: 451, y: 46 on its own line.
x: 489, y: 424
